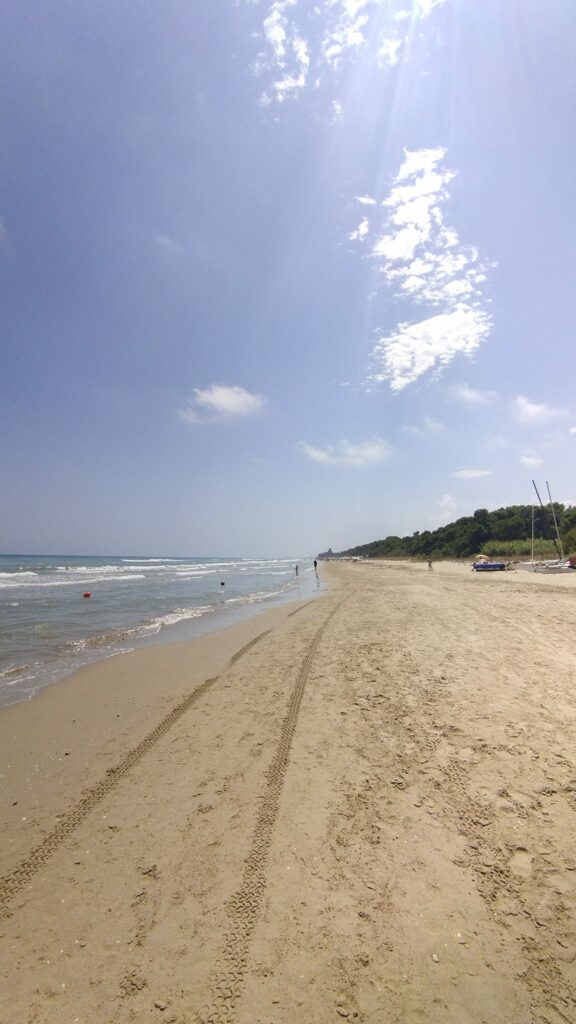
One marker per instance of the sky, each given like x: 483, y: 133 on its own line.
x: 282, y: 276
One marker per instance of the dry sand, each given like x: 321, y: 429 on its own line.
x: 362, y: 808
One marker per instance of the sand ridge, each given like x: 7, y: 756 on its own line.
x: 367, y: 814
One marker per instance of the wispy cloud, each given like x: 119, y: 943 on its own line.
x: 497, y: 442
x: 428, y: 427
x: 286, y: 55
x: 412, y: 349
x: 221, y: 402
x: 169, y: 246
x: 447, y: 505
x: 472, y: 396
x: 422, y: 260
x: 525, y: 411
x: 361, y: 231
x: 532, y: 461
x: 471, y: 474
x: 302, y: 44
x: 349, y: 453
x: 389, y: 52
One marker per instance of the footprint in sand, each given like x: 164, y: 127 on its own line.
x: 521, y: 862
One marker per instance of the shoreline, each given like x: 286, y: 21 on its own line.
x: 358, y: 807
x: 82, y: 723
x: 213, y: 619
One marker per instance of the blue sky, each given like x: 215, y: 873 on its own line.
x: 282, y: 276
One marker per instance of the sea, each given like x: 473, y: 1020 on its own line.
x: 59, y: 613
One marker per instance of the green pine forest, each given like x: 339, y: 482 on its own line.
x: 505, y: 533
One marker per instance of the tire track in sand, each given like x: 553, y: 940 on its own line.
x: 244, y: 906
x: 13, y: 882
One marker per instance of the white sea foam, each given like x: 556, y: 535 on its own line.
x: 80, y: 581
x: 146, y: 560
x: 14, y: 673
x: 180, y: 614
x: 93, y: 568
x: 113, y: 637
x: 15, y: 573
x: 187, y: 573
x: 256, y: 597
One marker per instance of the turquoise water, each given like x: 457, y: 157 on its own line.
x: 48, y: 629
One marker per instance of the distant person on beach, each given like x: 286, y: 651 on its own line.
x: 296, y: 569
x: 429, y: 564
x: 315, y: 565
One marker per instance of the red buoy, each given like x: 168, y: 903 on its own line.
x: 87, y: 594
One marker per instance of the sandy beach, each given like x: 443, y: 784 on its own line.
x: 361, y: 808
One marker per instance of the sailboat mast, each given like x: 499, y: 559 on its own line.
x: 560, y: 555
x: 555, y: 523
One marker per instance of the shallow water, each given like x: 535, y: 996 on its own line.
x: 48, y: 629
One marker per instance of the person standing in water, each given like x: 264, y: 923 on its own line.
x: 296, y: 569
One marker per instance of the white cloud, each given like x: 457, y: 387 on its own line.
x: 221, y: 402
x: 275, y: 33
x: 422, y: 261
x: 425, y: 6
x: 322, y: 38
x: 348, y: 453
x: 472, y: 396
x: 401, y: 245
x: 389, y: 52
x: 361, y: 231
x: 525, y: 411
x: 366, y: 200
x: 412, y: 349
x: 344, y: 34
x: 531, y: 461
x: 572, y: 430
x: 471, y: 474
x: 287, y: 53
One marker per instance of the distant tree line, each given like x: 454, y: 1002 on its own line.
x: 506, y: 532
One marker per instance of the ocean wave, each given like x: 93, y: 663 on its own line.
x: 93, y: 568
x: 256, y: 597
x: 180, y: 614
x: 146, y: 560
x: 42, y: 584
x: 276, y: 572
x: 13, y: 673
x: 16, y: 572
x: 187, y: 573
x: 113, y: 637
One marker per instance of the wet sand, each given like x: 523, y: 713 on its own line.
x: 359, y: 808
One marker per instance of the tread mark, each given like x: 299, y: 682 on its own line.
x: 300, y: 609
x: 244, y: 650
x: 244, y: 906
x: 13, y: 882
